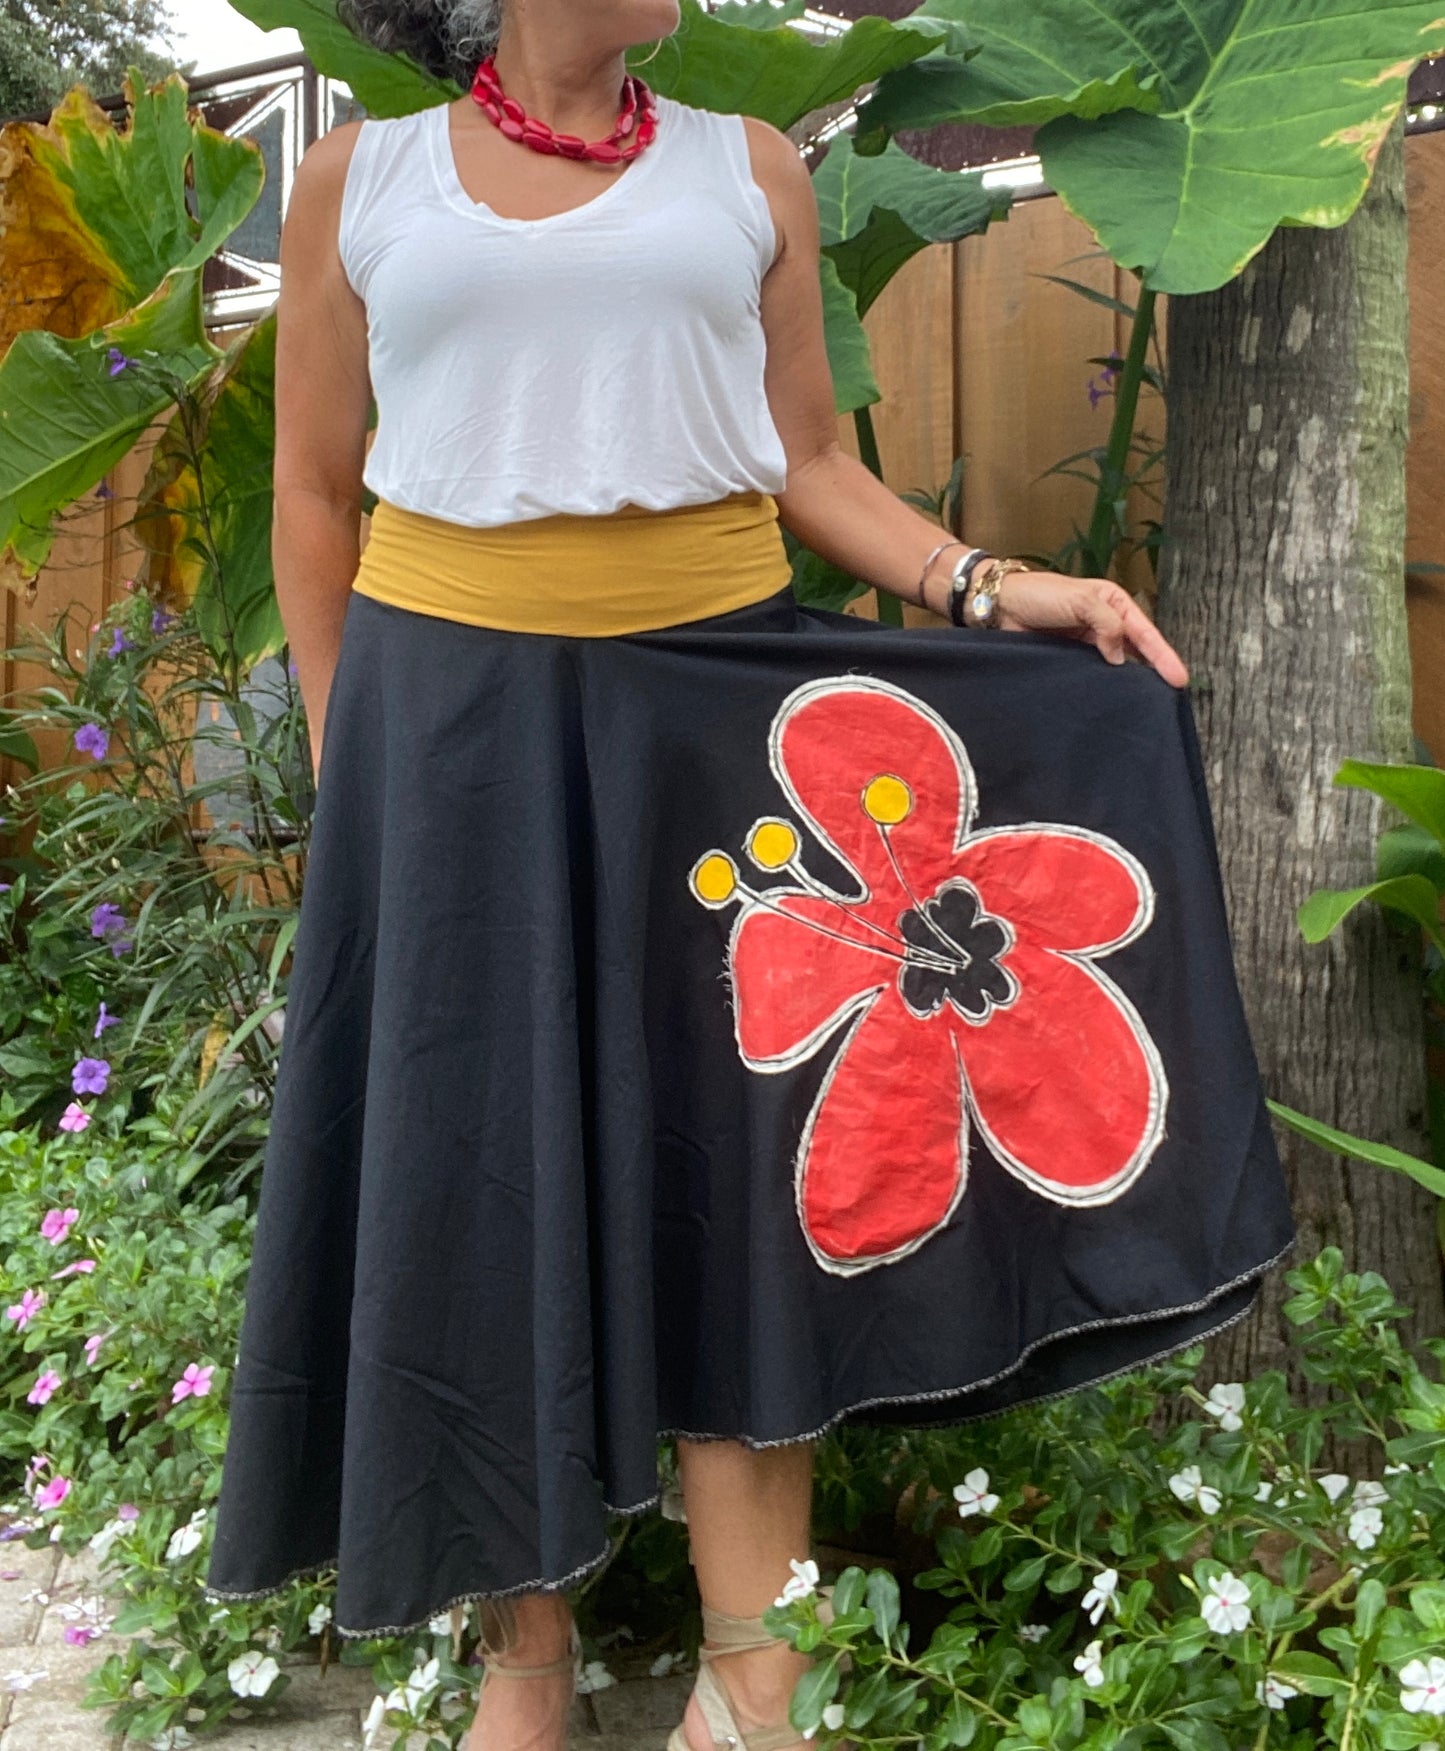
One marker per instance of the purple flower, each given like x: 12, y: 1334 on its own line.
x: 25, y: 1309
x: 89, y: 1075
x: 92, y: 739
x: 45, y: 1385
x: 195, y: 1381
x: 161, y: 619
x: 106, y: 916
x: 103, y: 491
x: 74, y: 1118
x: 56, y: 1224
x: 5, y: 887
x: 105, y: 1019
x: 118, y: 360
x: 120, y: 944
x: 119, y: 643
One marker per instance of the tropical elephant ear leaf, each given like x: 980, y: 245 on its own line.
x: 384, y: 84
x: 87, y: 368
x: 1252, y: 114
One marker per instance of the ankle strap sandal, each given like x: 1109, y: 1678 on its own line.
x: 736, y: 1635
x: 498, y: 1620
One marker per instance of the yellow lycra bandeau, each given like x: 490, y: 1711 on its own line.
x: 581, y: 576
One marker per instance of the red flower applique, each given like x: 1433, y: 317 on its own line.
x: 959, y: 980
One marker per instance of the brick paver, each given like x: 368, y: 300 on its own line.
x: 43, y: 1677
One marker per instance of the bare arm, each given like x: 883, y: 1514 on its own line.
x: 323, y: 397
x: 836, y: 505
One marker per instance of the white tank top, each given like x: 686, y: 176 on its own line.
x: 609, y: 355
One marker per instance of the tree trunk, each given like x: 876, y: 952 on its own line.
x: 1282, y: 586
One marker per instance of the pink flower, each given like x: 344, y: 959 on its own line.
x: 92, y: 1345
x: 195, y: 1382
x: 56, y: 1224
x: 45, y: 1384
x: 127, y: 1511
x: 70, y: 1269
x: 74, y: 1118
x: 25, y: 1309
x: 53, y: 1493
x: 78, y: 1634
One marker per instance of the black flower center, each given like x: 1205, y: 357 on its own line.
x: 952, y: 953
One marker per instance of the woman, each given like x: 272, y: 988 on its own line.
x: 582, y: 1135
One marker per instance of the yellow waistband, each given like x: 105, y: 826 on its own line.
x: 582, y: 576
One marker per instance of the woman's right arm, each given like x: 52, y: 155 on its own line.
x: 323, y: 398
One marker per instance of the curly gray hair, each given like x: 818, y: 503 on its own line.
x: 447, y: 37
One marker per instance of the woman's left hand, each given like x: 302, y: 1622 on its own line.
x: 1096, y: 610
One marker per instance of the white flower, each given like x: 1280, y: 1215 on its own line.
x: 1033, y: 1632
x: 1104, y: 1592
x: 319, y: 1618
x: 373, y: 1725
x: 663, y: 1664
x: 1366, y: 1525
x: 172, y: 1739
x: 803, y: 1582
x: 422, y: 1681
x: 23, y: 1680
x: 271, y: 1636
x: 1226, y: 1402
x: 252, y: 1673
x: 972, y: 1494
x: 1090, y: 1663
x: 1273, y: 1692
x: 832, y: 1719
x: 1264, y: 1492
x: 1189, y: 1486
x: 1422, y: 1687
x: 1394, y: 1471
x: 441, y: 1624
x: 101, y: 1542
x: 1370, y: 1495
x: 595, y: 1676
x: 1334, y: 1484
x: 185, y: 1538
x: 1225, y: 1606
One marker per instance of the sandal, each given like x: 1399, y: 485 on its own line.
x: 735, y: 1635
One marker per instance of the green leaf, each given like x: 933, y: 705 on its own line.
x: 1428, y: 1604
x: 1410, y: 850
x: 1416, y: 791
x: 1183, y: 132
x: 1025, y: 1576
x: 814, y: 1691
x: 1311, y: 1673
x: 1370, y: 1601
x: 854, y: 384
x: 848, y: 1590
x: 385, y: 84
x: 1342, y: 1143
x: 877, y: 212
x: 883, y: 1602
x: 1414, y: 895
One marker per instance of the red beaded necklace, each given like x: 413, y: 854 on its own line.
x: 516, y: 124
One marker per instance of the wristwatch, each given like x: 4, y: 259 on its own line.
x: 979, y: 606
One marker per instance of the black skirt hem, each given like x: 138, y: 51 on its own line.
x: 556, y: 1584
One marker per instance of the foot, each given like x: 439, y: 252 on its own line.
x: 760, y: 1683
x: 527, y: 1714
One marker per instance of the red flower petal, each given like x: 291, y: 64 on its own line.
x: 881, y: 1164
x: 839, y: 736
x: 1066, y: 1086
x: 1058, y: 888
x: 793, y: 982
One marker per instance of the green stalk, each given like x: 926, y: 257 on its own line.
x: 1099, y: 549
x: 890, y: 608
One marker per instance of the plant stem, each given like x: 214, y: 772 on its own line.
x: 1099, y: 546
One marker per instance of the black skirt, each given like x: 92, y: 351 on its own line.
x: 731, y: 1031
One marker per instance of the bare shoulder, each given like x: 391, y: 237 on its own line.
x: 780, y: 172
x: 321, y: 174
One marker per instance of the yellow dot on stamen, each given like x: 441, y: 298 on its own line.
x: 715, y: 879
x: 887, y: 799
x: 771, y: 844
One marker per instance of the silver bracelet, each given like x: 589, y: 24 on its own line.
x: 922, y: 599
